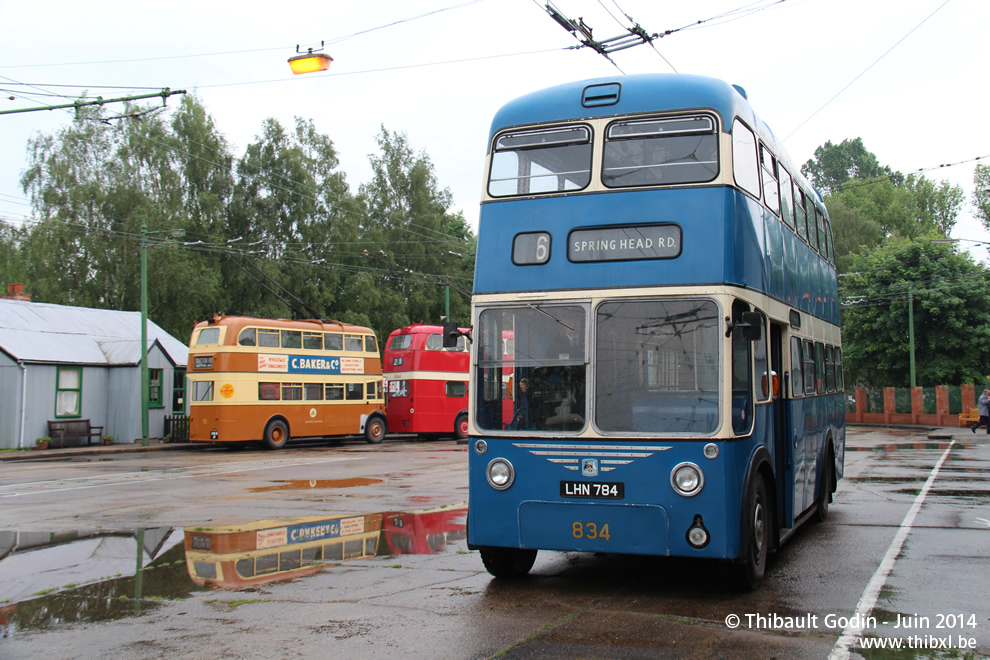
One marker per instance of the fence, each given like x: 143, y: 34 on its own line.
x: 923, y: 406
x: 177, y: 428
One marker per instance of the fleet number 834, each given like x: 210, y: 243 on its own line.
x: 590, y: 530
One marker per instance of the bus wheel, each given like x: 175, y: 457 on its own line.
x: 375, y: 430
x: 508, y: 562
x: 461, y: 426
x: 821, y: 506
x: 756, y: 536
x: 276, y: 434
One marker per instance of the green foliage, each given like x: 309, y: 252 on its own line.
x: 13, y: 268
x: 421, y: 242
x: 981, y: 193
x: 275, y: 233
x: 836, y: 164
x: 950, y: 297
x: 869, y: 204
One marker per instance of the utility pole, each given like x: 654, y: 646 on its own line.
x: 911, y: 329
x: 144, y: 332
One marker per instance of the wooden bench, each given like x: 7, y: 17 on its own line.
x: 970, y: 418
x: 61, y: 429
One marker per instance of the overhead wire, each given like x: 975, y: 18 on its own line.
x: 237, y: 52
x: 864, y: 71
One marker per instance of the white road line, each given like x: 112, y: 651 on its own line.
x: 163, y: 477
x: 841, y: 650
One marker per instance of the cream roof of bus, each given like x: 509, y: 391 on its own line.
x: 237, y: 323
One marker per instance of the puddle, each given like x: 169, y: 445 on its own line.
x: 54, y: 579
x: 99, y: 575
x: 948, y: 492
x: 308, y: 484
x: 901, y: 446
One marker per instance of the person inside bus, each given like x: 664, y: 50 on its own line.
x: 520, y: 411
x: 984, y: 410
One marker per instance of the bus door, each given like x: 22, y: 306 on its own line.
x: 780, y: 411
x: 796, y: 430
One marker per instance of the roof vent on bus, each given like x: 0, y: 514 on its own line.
x: 598, y: 95
x: 742, y: 92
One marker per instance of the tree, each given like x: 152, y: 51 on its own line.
x: 13, y: 269
x: 94, y: 183
x: 294, y: 214
x: 414, y: 239
x: 868, y: 203
x: 950, y: 296
x: 938, y: 203
x: 836, y: 164
x: 981, y: 193
x: 853, y: 231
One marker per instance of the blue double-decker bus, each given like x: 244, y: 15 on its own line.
x: 656, y: 363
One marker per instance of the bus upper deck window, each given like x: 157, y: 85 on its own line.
x: 268, y: 338
x: 771, y: 189
x: 370, y: 344
x: 313, y: 341
x: 400, y: 342
x: 208, y: 336
x: 291, y: 339
x: 545, y: 161
x: 247, y: 337
x: 745, y: 167
x: 333, y: 342
x: 648, y: 152
x: 786, y: 197
x: 353, y: 343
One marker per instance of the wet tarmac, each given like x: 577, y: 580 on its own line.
x: 360, y: 551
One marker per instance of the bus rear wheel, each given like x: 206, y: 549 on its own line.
x: 757, y: 517
x: 461, y: 426
x: 375, y: 430
x: 508, y: 563
x: 276, y: 434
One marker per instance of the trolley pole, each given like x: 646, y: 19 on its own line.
x: 144, y: 332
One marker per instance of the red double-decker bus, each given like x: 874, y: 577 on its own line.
x: 427, y: 383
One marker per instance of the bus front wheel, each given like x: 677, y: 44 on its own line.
x: 755, y: 536
x: 375, y: 430
x: 508, y: 562
x: 821, y: 506
x: 461, y: 426
x: 276, y: 434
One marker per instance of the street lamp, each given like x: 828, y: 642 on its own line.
x: 310, y: 62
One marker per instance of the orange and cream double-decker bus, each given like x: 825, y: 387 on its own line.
x: 271, y: 380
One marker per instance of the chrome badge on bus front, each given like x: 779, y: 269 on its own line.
x: 590, y: 459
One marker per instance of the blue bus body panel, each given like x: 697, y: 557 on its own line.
x: 650, y: 519
x: 713, y: 251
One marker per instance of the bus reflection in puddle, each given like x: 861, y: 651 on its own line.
x: 271, y: 551
x: 91, y: 576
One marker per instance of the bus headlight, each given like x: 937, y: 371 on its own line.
x: 481, y: 447
x: 500, y: 474
x: 687, y: 479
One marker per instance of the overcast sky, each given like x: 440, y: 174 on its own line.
x: 907, y: 76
